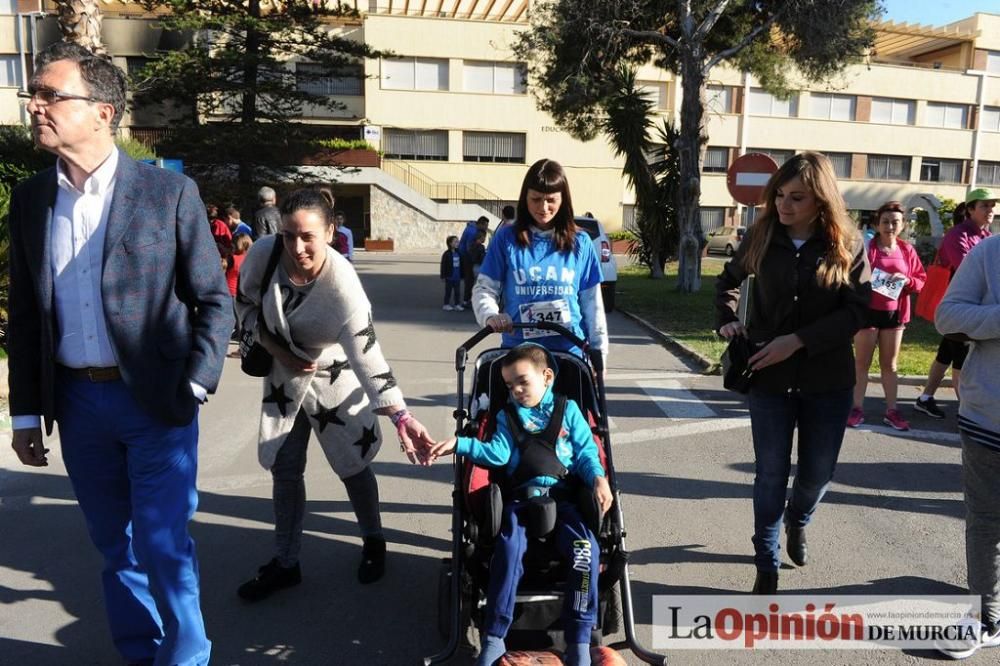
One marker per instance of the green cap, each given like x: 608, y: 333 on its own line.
x: 980, y: 194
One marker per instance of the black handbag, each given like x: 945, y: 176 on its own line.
x: 737, y: 374
x: 255, y: 360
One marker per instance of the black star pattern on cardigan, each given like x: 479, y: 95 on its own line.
x: 368, y: 331
x: 336, y: 369
x: 326, y: 416
x: 367, y: 439
x: 277, y: 396
x: 390, y: 381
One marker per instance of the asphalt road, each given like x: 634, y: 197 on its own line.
x: 892, y: 522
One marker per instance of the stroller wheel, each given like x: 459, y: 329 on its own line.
x: 612, y: 620
x: 444, y: 598
x: 468, y: 635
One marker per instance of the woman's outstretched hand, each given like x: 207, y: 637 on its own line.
x: 415, y: 441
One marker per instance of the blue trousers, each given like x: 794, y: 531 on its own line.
x: 134, y: 478
x: 821, y: 419
x: 575, y: 543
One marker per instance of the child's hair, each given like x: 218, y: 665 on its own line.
x: 233, y: 211
x: 241, y: 244
x: 447, y: 242
x: 481, y: 236
x: 535, y: 354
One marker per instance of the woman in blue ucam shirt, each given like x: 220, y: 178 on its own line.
x: 541, y: 269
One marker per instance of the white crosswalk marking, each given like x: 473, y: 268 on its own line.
x: 675, y: 401
x: 680, y: 430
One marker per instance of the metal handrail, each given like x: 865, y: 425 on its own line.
x: 433, y: 189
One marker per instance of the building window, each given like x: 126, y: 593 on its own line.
x: 718, y: 99
x: 945, y: 115
x: 779, y: 156
x: 991, y: 119
x: 404, y: 144
x: 934, y: 170
x: 135, y: 64
x: 716, y: 160
x: 888, y: 167
x: 503, y: 78
x: 414, y: 74
x: 493, y: 147
x: 988, y: 173
x: 655, y: 92
x: 892, y: 111
x: 831, y: 107
x: 318, y: 80
x: 712, y: 217
x: 10, y: 72
x: 993, y: 62
x: 763, y: 103
x: 841, y: 164
x: 629, y: 215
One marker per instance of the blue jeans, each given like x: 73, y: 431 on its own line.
x: 134, y: 478
x: 821, y: 419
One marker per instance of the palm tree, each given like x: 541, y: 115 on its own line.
x: 651, y: 170
x: 80, y: 22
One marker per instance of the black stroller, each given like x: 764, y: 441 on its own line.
x: 464, y: 577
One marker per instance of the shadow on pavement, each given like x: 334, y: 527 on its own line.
x: 330, y: 619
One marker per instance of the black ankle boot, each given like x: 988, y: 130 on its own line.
x: 798, y: 550
x: 269, y: 579
x: 372, y: 565
x: 766, y: 583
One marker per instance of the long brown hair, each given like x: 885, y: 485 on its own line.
x: 816, y: 173
x: 547, y: 177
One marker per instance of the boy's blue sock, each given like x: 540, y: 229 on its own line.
x: 577, y: 654
x: 493, y: 650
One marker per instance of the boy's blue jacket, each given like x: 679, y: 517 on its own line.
x: 575, y: 447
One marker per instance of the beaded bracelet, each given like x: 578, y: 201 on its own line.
x: 400, y: 418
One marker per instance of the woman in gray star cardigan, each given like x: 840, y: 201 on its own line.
x: 329, y: 377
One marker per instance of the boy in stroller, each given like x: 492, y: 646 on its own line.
x: 541, y: 440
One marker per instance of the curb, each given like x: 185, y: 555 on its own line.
x: 706, y: 365
x: 709, y: 366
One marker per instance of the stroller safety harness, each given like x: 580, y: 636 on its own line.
x: 538, y: 449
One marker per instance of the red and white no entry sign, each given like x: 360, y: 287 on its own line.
x: 747, y: 177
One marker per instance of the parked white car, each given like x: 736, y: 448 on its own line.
x: 725, y: 240
x: 609, y: 269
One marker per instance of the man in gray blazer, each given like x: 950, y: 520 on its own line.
x: 119, y: 322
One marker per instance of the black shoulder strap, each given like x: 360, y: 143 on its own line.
x: 552, y: 430
x: 272, y: 264
x: 514, y: 423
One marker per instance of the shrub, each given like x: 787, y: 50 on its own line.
x: 346, y: 144
x: 622, y: 235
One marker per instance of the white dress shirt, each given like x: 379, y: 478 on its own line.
x: 79, y: 225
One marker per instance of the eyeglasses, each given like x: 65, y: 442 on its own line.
x: 46, y: 96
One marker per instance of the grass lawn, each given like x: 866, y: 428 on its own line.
x: 689, y: 318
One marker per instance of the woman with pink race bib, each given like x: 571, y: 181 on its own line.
x: 896, y: 274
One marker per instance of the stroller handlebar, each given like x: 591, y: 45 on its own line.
x: 486, y: 331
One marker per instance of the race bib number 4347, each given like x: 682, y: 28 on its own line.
x: 554, y: 312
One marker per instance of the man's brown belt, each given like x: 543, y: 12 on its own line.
x: 111, y: 374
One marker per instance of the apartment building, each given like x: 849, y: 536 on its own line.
x: 457, y: 125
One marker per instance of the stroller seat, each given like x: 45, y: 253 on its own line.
x: 484, y: 489
x: 477, y: 494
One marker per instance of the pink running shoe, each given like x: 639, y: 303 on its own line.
x: 856, y: 418
x: 895, y: 419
